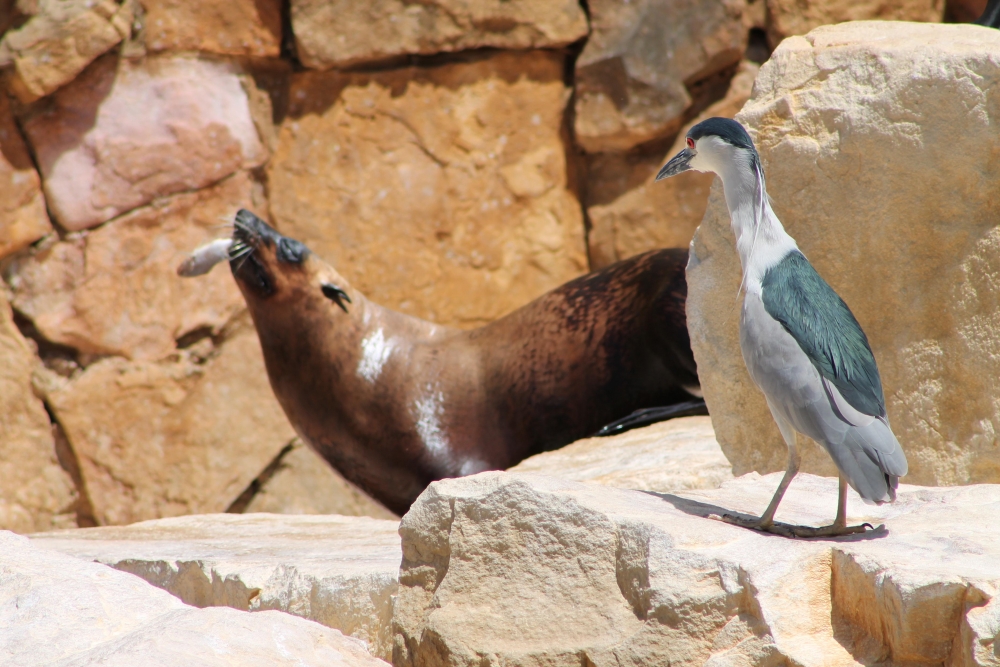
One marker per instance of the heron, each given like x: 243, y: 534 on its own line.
x: 801, y: 343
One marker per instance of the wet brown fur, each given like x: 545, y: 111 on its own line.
x: 551, y: 372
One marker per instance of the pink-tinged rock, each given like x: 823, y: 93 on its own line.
x: 185, y: 436
x: 35, y: 492
x: 341, y: 33
x: 114, y: 290
x: 60, y: 39
x: 23, y: 219
x: 125, y: 133
x: 633, y: 75
x: 231, y: 27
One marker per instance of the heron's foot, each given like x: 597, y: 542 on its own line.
x: 788, y: 530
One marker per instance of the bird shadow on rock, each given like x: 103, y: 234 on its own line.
x: 715, y: 513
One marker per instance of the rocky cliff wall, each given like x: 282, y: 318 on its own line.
x: 453, y: 159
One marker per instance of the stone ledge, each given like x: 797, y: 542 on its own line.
x: 666, y: 457
x: 60, y: 610
x: 339, y: 571
x: 525, y: 569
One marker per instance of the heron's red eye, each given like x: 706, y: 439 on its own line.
x: 690, y: 142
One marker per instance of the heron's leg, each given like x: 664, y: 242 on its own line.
x: 841, y: 520
x: 792, y: 469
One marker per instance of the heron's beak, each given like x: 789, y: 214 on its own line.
x: 677, y: 164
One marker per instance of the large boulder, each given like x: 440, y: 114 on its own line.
x: 879, y: 145
x: 59, y: 610
x: 115, y: 290
x: 23, y: 219
x: 336, y: 570
x: 100, y: 158
x: 181, y: 436
x: 633, y: 75
x: 343, y: 33
x: 501, y: 568
x: 661, y: 214
x: 59, y: 40
x: 670, y: 456
x: 438, y: 191
x: 794, y: 17
x: 36, y: 492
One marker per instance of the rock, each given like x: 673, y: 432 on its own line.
x: 343, y: 33
x: 99, y: 158
x: 853, y: 154
x: 336, y: 570
x: 115, y: 290
x: 36, y: 493
x: 60, y: 610
x: 502, y: 568
x: 632, y: 76
x: 792, y: 17
x: 304, y: 483
x: 665, y: 214
x: 441, y: 192
x: 670, y: 456
x: 175, y: 437
x: 23, y: 219
x: 60, y: 39
x: 236, y: 28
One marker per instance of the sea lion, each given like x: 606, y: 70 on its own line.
x: 394, y: 402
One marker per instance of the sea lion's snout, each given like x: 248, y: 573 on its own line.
x: 258, y: 250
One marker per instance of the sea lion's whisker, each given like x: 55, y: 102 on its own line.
x: 239, y: 254
x: 243, y: 259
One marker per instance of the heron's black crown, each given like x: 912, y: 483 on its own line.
x: 728, y: 130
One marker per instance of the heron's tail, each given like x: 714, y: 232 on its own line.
x: 872, y: 461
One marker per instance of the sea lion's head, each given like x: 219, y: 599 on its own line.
x: 269, y: 266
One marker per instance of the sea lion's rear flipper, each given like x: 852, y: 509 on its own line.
x: 648, y: 416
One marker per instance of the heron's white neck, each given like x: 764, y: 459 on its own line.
x: 761, y: 241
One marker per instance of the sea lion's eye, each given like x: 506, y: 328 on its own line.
x: 335, y: 294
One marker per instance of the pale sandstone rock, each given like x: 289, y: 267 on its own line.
x: 23, y: 219
x: 305, y: 483
x: 670, y: 456
x: 238, y: 28
x: 60, y: 39
x: 341, y: 33
x: 856, y: 126
x: 36, y: 493
x: 337, y: 570
x: 794, y: 17
x: 501, y: 568
x: 114, y: 290
x: 631, y: 76
x: 441, y: 192
x: 60, y: 610
x: 665, y: 214
x: 100, y: 157
x: 175, y: 437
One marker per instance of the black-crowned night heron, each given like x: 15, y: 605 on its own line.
x: 800, y: 341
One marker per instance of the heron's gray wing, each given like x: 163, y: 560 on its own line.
x: 826, y: 330
x: 868, y: 454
